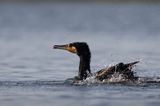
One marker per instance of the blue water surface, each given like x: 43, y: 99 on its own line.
x: 33, y: 74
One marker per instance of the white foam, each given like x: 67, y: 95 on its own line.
x: 116, y: 78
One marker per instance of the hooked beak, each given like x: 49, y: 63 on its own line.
x: 62, y: 47
x: 67, y: 47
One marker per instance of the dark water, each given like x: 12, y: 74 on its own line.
x: 33, y: 74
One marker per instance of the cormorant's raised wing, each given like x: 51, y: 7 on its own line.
x: 121, y: 68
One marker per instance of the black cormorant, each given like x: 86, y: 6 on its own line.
x: 83, y: 51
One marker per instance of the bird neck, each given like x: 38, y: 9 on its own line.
x: 84, y: 66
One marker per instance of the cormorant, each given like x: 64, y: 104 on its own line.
x: 83, y: 51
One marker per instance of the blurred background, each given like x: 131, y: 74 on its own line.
x: 123, y: 30
x: 116, y: 31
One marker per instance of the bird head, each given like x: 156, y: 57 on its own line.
x: 79, y: 48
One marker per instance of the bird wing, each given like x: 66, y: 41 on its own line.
x: 125, y: 69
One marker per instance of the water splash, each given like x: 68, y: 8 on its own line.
x: 118, y: 79
x: 115, y: 79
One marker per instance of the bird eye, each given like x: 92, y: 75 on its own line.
x: 70, y: 45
